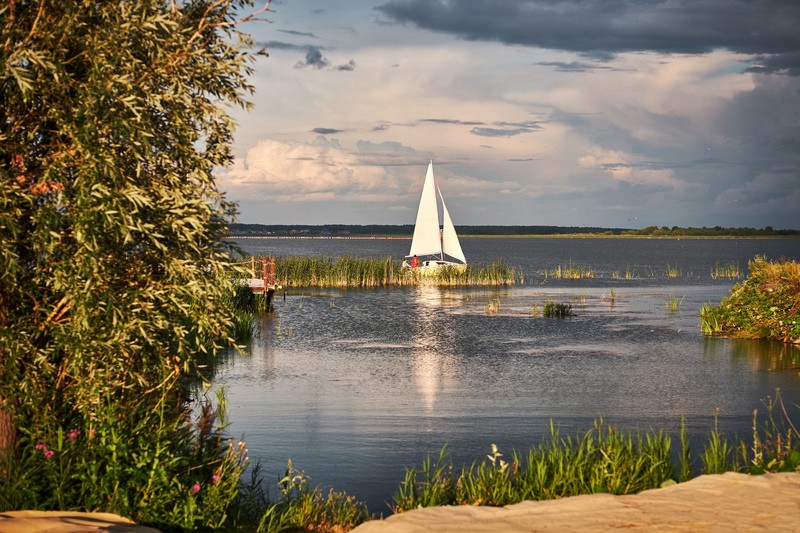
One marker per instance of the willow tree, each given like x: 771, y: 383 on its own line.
x: 114, y: 116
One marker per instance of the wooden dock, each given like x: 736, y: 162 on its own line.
x: 262, y: 276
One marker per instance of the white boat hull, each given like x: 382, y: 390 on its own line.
x: 432, y: 267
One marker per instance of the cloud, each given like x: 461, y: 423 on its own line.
x: 764, y: 29
x: 326, y: 131
x: 348, y: 67
x: 313, y: 59
x: 571, y: 66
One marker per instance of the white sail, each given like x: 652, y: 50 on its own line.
x: 450, y: 244
x: 426, y: 240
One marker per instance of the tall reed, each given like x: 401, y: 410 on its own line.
x: 570, y: 271
x: 368, y: 272
x: 729, y: 271
x: 602, y: 460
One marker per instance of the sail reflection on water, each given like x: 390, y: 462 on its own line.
x: 432, y: 356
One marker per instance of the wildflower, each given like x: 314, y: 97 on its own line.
x: 196, y: 488
x: 73, y: 434
x: 41, y: 446
x: 92, y: 432
x: 215, y: 479
x: 49, y: 453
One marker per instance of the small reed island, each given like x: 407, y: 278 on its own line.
x: 765, y: 306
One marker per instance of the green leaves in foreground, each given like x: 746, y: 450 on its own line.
x: 114, y: 116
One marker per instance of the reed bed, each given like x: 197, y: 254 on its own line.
x: 672, y: 272
x: 557, y: 310
x: 570, y: 271
x: 729, y: 271
x: 348, y: 272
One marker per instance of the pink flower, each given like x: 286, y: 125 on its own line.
x: 41, y: 446
x: 196, y: 488
x: 49, y: 453
x: 73, y: 434
x: 215, y: 479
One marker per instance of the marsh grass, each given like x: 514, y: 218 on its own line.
x: 301, y: 507
x: 570, y: 271
x: 762, y: 307
x: 602, y: 460
x: 493, y: 306
x: 673, y: 304
x: 628, y: 273
x: 729, y: 271
x: 366, y: 272
x: 557, y: 310
x: 672, y: 272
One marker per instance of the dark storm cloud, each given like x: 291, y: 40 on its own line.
x: 765, y: 29
x: 573, y: 66
x: 450, y: 121
x: 280, y: 45
x: 326, y: 131
x: 298, y: 33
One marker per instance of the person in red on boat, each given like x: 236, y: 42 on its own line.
x: 414, y: 262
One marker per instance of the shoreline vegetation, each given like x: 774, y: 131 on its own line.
x: 765, y: 306
x: 377, y: 231
x: 602, y: 459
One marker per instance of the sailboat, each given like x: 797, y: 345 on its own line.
x: 434, y: 248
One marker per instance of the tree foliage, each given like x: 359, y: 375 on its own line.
x: 113, y: 118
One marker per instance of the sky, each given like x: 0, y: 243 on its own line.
x: 609, y: 113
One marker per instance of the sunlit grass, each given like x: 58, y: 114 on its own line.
x: 674, y: 303
x: 729, y: 271
x: 366, y: 272
x: 570, y: 271
x: 672, y: 272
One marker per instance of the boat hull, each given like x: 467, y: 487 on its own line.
x: 434, y: 267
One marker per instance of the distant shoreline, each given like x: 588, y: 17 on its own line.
x: 536, y: 236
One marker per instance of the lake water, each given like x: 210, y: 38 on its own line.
x: 355, y: 385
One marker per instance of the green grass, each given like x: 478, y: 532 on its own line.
x: 729, y: 271
x: 765, y: 306
x: 557, y: 310
x: 602, y: 460
x: 673, y: 304
x: 570, y: 271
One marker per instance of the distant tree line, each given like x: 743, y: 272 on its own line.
x: 716, y: 231
x: 406, y: 230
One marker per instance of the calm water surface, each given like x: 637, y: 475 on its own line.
x: 355, y: 385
